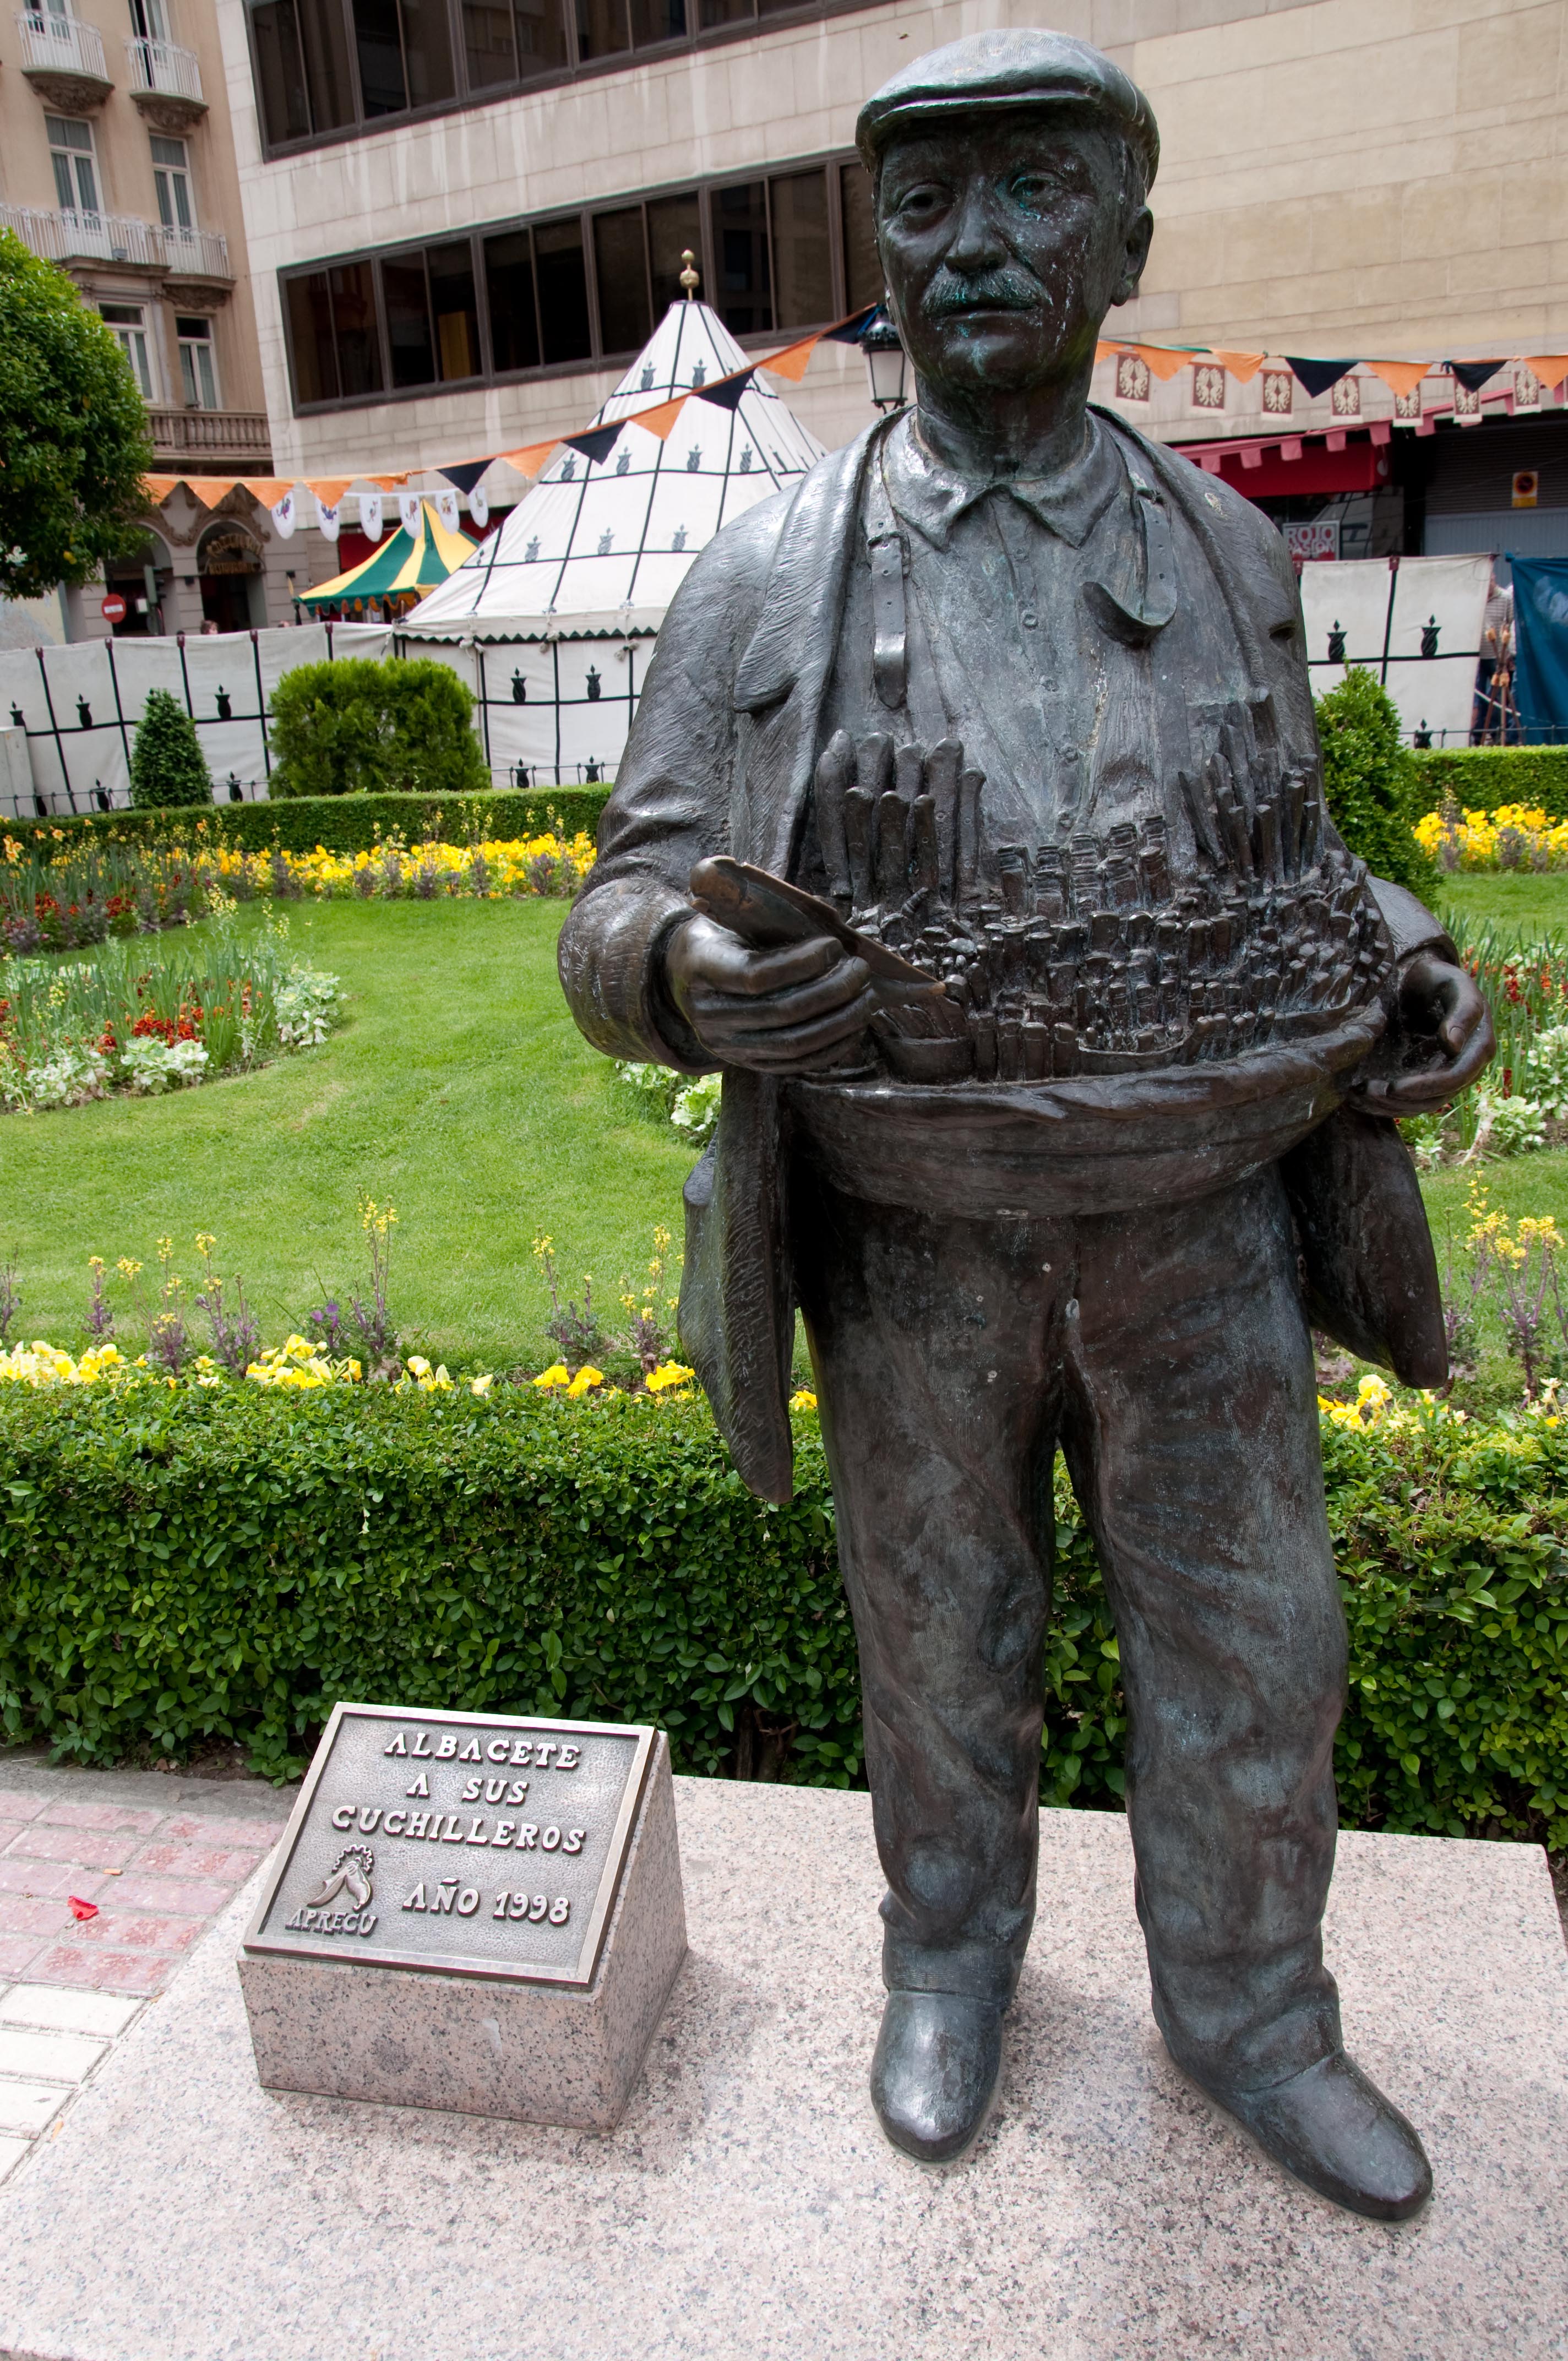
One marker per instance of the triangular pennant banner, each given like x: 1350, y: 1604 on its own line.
x: 466, y: 473
x: 1318, y: 376
x: 726, y: 391
x: 850, y: 331
x: 1549, y: 367
x: 410, y: 512
x: 1162, y: 362
x: 596, y: 443
x: 266, y: 491
x: 792, y: 361
x: 529, y: 460
x: 371, y: 515
x: 1243, y: 366
x: 480, y: 507
x: 1399, y: 377
x: 1474, y: 375
x: 660, y: 421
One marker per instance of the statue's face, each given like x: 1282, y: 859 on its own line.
x: 1006, y: 247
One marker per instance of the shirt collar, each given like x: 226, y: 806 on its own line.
x: 932, y: 496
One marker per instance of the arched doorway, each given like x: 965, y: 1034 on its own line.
x: 144, y: 600
x: 228, y: 565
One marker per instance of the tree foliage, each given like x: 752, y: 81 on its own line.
x: 169, y: 769
x: 1371, y: 781
x: 74, y: 445
x: 356, y: 728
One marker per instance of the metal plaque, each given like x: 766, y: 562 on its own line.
x: 470, y: 1844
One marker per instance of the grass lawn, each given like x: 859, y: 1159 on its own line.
x: 459, y: 1087
x: 1536, y: 904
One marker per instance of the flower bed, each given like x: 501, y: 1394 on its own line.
x: 86, y: 896
x: 193, y: 1561
x: 142, y: 1018
x: 1514, y: 836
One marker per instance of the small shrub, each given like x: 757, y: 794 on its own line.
x: 1369, y: 783
x: 356, y: 728
x: 169, y: 771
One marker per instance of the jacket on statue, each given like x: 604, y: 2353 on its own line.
x: 722, y: 757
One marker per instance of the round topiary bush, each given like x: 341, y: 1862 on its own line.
x: 354, y: 727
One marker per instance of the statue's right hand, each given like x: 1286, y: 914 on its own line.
x: 781, y: 1012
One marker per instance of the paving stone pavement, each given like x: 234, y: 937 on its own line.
x: 162, y: 1855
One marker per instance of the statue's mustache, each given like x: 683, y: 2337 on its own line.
x: 988, y: 290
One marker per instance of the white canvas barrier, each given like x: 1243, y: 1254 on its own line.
x: 79, y: 706
x: 550, y: 713
x: 1415, y: 624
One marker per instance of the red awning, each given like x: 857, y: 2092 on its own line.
x: 1273, y: 468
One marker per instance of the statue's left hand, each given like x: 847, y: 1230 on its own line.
x: 1438, y: 1001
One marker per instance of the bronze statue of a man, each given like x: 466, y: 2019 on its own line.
x: 1015, y: 704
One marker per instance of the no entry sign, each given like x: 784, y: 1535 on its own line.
x: 113, y: 609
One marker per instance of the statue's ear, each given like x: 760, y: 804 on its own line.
x: 1135, y: 254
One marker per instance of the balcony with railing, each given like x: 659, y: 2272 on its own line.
x: 166, y: 84
x: 214, y: 435
x: 195, y: 254
x: 195, y: 257
x: 63, y: 60
x: 86, y: 237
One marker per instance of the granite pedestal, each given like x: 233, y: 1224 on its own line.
x: 748, y: 2208
x: 497, y: 2046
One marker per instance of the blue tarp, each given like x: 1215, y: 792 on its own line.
x: 1541, y: 630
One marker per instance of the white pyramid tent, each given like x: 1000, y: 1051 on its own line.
x: 556, y: 612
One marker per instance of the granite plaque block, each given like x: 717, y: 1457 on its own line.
x: 470, y: 1911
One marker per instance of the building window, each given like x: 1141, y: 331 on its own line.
x: 198, y: 377
x: 743, y: 288
x: 171, y: 178
x: 75, y: 172
x: 862, y: 265
x: 334, y: 333
x: 322, y: 67
x: 129, y: 326
x: 791, y: 252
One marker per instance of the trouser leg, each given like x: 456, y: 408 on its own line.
x: 1191, y: 1431
x: 927, y: 1339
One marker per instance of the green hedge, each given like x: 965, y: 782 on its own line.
x: 346, y: 728
x: 342, y: 823
x: 182, y: 1563
x: 1482, y: 777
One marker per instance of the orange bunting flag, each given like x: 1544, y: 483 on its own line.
x: 328, y: 489
x: 208, y: 490
x: 1162, y: 362
x: 530, y: 458
x: 660, y: 421
x: 1399, y: 377
x: 791, y: 362
x: 1243, y: 366
x: 1549, y: 367
x: 267, y: 489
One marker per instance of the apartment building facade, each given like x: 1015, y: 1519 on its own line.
x: 464, y: 215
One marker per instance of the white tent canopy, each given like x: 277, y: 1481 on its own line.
x: 556, y: 612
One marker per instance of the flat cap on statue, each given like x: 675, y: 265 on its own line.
x: 1000, y: 72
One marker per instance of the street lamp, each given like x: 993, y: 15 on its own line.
x: 884, y: 362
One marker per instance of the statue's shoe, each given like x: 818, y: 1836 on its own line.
x: 935, y: 2072
x: 1333, y: 2129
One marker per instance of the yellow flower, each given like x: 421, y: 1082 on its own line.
x: 668, y: 1377
x: 804, y: 1398
x: 481, y: 1385
x: 557, y: 1375
x: 586, y: 1378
